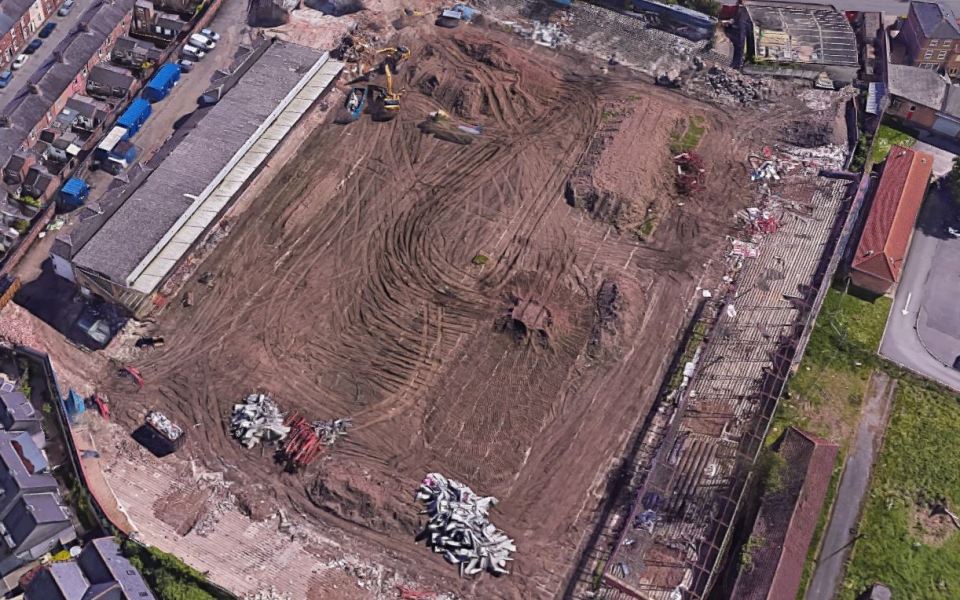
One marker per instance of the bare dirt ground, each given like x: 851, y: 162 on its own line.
x: 349, y: 288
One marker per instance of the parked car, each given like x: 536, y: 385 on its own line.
x: 213, y: 35
x: 19, y: 61
x: 185, y: 65
x: 33, y: 46
x: 47, y: 29
x: 5, y: 78
x: 191, y: 53
x: 66, y: 8
x: 202, y: 41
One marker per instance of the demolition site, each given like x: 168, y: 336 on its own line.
x: 491, y: 301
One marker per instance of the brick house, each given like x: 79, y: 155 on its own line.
x: 931, y: 36
x: 19, y: 19
x: 882, y: 250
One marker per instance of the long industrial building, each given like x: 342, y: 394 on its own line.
x: 149, y: 227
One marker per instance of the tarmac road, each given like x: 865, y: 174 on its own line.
x: 841, y: 533
x: 924, y: 322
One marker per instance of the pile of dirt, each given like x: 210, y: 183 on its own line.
x: 609, y: 300
x: 526, y: 320
x: 807, y: 133
x: 609, y: 183
x: 364, y: 501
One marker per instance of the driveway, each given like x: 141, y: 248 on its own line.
x: 923, y: 329
x: 841, y: 534
x: 66, y: 26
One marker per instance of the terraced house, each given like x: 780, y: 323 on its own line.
x: 932, y: 37
x: 18, y: 20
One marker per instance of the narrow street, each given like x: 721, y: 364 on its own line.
x: 840, y: 533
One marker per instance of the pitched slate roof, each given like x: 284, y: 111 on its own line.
x: 896, y: 204
x: 920, y: 86
x: 936, y: 20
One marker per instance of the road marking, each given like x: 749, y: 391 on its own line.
x: 906, y: 306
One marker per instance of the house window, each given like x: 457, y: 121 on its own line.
x: 954, y: 70
x: 934, y: 43
x: 927, y: 55
x: 942, y: 55
x: 913, y: 108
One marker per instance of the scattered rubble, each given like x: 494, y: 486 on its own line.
x: 330, y: 431
x: 730, y: 85
x: 268, y: 594
x: 258, y: 419
x: 690, y: 173
x: 459, y: 528
x: 164, y: 426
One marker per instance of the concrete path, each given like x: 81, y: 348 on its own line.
x: 853, y: 488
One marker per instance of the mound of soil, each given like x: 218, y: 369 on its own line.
x: 359, y: 499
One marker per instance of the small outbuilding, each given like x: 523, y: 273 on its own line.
x: 880, y: 255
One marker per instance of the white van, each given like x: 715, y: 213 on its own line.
x: 202, y: 41
x: 191, y: 53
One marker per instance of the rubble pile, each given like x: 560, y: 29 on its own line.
x: 459, y: 528
x: 330, y: 431
x: 728, y: 84
x: 165, y: 426
x: 268, y: 594
x: 258, y: 419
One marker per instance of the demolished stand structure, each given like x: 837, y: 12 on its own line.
x: 697, y: 449
x: 459, y: 528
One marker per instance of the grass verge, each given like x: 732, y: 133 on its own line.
x: 689, y: 138
x: 887, y: 137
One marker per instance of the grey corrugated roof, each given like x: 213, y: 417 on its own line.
x: 936, y: 21
x: 25, y: 110
x: 102, y: 562
x: 5, y: 23
x: 922, y: 86
x: 816, y: 26
x: 142, y: 221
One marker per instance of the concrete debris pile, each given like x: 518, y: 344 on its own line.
x: 550, y: 35
x: 270, y: 594
x: 258, y: 419
x: 330, y: 431
x: 164, y: 425
x: 459, y: 528
x: 730, y: 85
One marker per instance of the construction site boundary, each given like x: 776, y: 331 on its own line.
x: 772, y: 385
x: 620, y: 479
x: 106, y: 526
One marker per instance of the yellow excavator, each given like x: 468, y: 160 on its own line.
x: 394, y: 56
x: 391, y: 98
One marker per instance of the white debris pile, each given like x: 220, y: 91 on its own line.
x: 268, y: 594
x: 459, y: 528
x: 330, y: 431
x: 165, y: 426
x: 257, y: 419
